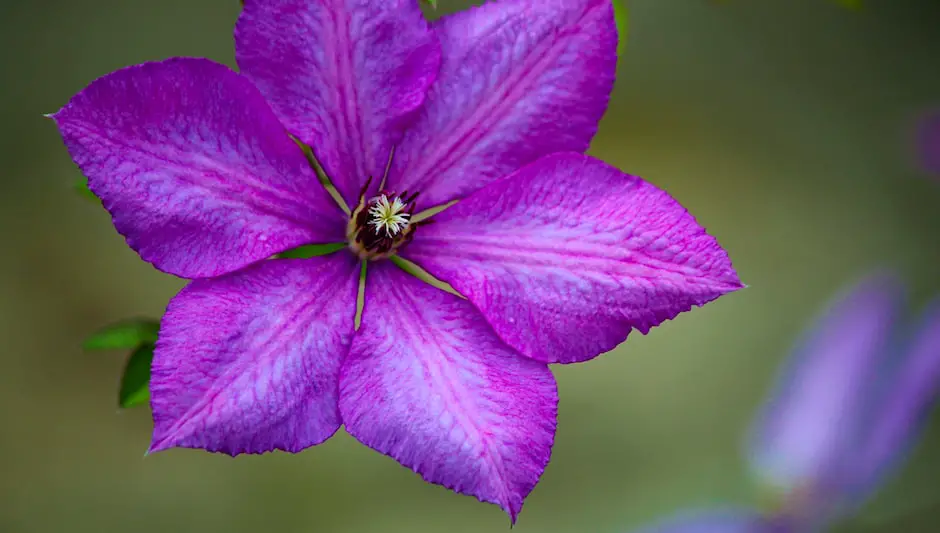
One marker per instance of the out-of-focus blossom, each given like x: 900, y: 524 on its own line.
x: 928, y: 142
x: 846, y: 407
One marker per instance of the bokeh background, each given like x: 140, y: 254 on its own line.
x: 784, y: 125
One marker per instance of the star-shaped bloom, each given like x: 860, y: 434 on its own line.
x: 848, y: 405
x: 557, y: 255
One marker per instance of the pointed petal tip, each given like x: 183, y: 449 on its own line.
x: 293, y: 378
x: 493, y: 440
x: 158, y: 444
x: 236, y: 126
x: 732, y: 283
x: 661, y: 260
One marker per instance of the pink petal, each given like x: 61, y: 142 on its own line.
x: 568, y: 254
x: 520, y: 79
x: 249, y: 362
x: 196, y: 170
x: 429, y: 384
x: 345, y: 76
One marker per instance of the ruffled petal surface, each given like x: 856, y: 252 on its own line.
x: 250, y: 362
x: 566, y: 256
x: 911, y: 390
x: 715, y: 521
x: 520, y: 79
x: 345, y: 76
x: 812, y: 423
x: 429, y: 384
x: 196, y: 170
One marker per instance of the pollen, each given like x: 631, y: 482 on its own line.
x: 380, y: 225
x: 389, y: 217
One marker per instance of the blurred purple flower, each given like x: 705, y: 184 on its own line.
x: 846, y: 408
x: 928, y: 142
x: 559, y: 255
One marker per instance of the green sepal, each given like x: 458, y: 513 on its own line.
x: 311, y: 250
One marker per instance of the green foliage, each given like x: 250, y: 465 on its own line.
x: 135, y: 383
x: 620, y: 13
x: 81, y: 187
x: 432, y: 3
x: 127, y: 334
x: 139, y: 335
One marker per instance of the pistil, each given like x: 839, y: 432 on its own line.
x: 380, y: 225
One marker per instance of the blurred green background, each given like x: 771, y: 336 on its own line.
x: 784, y: 125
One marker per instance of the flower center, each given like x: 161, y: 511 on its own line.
x: 388, y: 216
x: 381, y: 225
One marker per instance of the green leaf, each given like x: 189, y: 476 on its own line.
x: 81, y: 187
x: 312, y: 250
x: 620, y: 14
x: 127, y: 334
x: 432, y: 3
x: 135, y: 383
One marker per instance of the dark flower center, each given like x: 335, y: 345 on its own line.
x: 381, y: 224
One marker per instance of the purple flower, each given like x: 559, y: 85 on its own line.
x: 558, y: 255
x: 928, y: 142
x: 845, y: 409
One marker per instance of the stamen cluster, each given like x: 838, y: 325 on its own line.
x: 388, y: 217
x: 381, y: 224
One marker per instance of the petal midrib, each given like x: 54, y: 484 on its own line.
x: 220, y: 189
x: 347, y: 97
x: 227, y: 377
x: 445, y: 380
x: 494, y: 108
x: 528, y: 254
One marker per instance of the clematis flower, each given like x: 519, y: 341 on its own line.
x: 928, y: 142
x: 848, y: 405
x: 557, y: 255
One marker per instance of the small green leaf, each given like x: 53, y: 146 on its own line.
x: 432, y: 3
x: 127, y: 334
x: 620, y: 14
x: 312, y: 250
x: 81, y: 187
x: 135, y: 383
